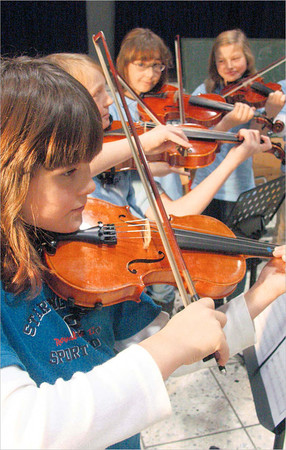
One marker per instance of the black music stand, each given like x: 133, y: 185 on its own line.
x: 249, y: 217
x: 253, y: 210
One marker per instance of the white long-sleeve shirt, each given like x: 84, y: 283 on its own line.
x: 106, y: 405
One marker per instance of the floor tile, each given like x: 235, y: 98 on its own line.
x: 262, y: 438
x: 233, y: 439
x: 199, y: 408
x: 236, y: 387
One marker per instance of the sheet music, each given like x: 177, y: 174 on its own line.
x: 270, y: 328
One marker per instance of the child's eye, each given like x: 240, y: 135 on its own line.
x: 69, y: 172
x: 96, y: 94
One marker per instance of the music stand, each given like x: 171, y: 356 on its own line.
x: 253, y: 210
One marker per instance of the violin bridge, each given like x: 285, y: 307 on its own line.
x: 146, y: 234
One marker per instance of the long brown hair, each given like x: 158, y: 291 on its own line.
x: 48, y: 119
x: 142, y: 44
x: 229, y: 37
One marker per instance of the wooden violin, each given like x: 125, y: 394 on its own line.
x: 121, y: 254
x: 201, y: 152
x: 172, y: 104
x: 169, y: 102
x: 204, y: 101
x: 254, y: 94
x: 165, y: 104
x: 204, y: 144
x: 252, y: 89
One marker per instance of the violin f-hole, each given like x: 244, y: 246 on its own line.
x: 144, y: 261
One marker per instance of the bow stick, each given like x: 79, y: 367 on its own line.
x: 172, y: 249
x: 246, y: 81
x: 180, y: 79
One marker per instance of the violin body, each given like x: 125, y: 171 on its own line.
x: 165, y: 104
x: 200, y: 153
x: 251, y: 94
x: 102, y: 274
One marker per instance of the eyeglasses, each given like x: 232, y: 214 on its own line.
x: 143, y: 66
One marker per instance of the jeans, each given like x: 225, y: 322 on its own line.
x: 163, y: 293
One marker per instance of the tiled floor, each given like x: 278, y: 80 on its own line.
x: 210, y: 410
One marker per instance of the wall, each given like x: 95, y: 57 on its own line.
x: 100, y: 17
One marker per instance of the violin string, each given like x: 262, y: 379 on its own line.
x: 202, y: 237
x: 235, y: 242
x: 193, y: 234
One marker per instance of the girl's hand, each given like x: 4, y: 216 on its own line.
x: 274, y: 104
x: 280, y: 252
x: 163, y: 138
x: 241, y: 113
x: 190, y: 336
x: 270, y: 284
x: 252, y: 143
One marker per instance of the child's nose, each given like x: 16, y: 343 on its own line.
x: 90, y: 187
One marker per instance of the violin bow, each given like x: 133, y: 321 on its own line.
x: 171, y: 246
x: 180, y: 79
x: 251, y: 78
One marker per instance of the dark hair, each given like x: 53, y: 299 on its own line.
x: 142, y: 44
x: 48, y: 119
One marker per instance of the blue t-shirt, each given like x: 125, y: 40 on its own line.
x: 241, y: 179
x: 51, y: 340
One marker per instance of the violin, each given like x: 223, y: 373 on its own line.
x: 252, y: 89
x: 204, y: 144
x: 201, y: 152
x: 209, y: 108
x: 171, y: 103
x: 254, y: 94
x: 115, y: 259
x: 205, y: 102
x: 165, y: 104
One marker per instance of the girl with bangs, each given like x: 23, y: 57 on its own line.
x: 64, y: 383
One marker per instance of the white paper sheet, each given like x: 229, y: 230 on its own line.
x: 270, y: 349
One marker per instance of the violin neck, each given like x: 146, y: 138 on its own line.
x: 196, y: 100
x: 216, y: 105
x: 210, y: 135
x: 191, y: 240
x: 261, y: 88
x: 201, y: 134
